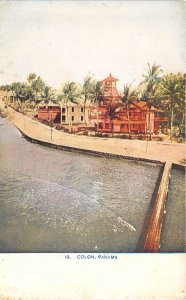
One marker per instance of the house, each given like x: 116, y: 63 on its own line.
x: 138, y: 118
x: 70, y: 114
x: 49, y: 112
x: 74, y: 113
x: 114, y: 116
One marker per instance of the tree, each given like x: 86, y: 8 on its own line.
x: 129, y: 96
x: 69, y: 94
x: 36, y: 88
x: 6, y: 88
x: 112, y: 114
x: 88, y: 90
x: 21, y: 92
x: 97, y: 96
x: 172, y: 94
x: 148, y: 87
x: 149, y: 84
x: 48, y: 94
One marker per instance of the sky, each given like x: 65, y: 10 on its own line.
x: 67, y: 40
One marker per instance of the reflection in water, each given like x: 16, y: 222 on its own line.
x: 173, y: 234
x: 55, y: 201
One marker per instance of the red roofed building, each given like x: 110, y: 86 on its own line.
x: 113, y: 116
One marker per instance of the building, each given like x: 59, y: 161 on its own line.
x: 110, y: 115
x: 50, y: 112
x: 70, y: 114
x: 138, y: 118
x: 74, y: 114
x: 114, y: 116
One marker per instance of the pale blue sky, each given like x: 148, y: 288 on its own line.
x: 62, y: 40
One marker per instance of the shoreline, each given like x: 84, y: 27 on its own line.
x: 157, y: 152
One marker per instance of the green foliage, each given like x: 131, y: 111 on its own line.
x: 88, y: 87
x: 96, y: 96
x: 149, y: 84
x: 20, y: 91
x: 7, y: 87
x: 91, y: 90
x: 129, y: 95
x: 170, y: 96
x: 48, y: 94
x: 36, y: 87
x: 70, y: 92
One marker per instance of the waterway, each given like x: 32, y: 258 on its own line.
x: 56, y: 201
x: 173, y: 233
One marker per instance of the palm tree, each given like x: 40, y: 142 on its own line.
x: 112, y: 114
x: 148, y: 87
x: 21, y: 93
x: 48, y: 94
x: 129, y: 96
x: 97, y: 96
x: 171, y: 89
x: 88, y: 90
x: 36, y: 88
x: 69, y: 94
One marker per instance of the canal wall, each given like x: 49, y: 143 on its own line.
x: 88, y: 152
x: 152, y: 240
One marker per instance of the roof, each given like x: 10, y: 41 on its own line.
x: 42, y: 104
x: 144, y: 105
x: 110, y: 78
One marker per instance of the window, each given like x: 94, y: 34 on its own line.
x: 63, y: 119
x: 63, y: 110
x: 81, y: 118
x: 81, y: 109
x: 107, y: 126
x: 72, y: 118
x: 72, y: 109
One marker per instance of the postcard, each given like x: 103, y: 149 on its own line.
x: 92, y: 150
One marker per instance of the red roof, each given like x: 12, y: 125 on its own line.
x: 110, y: 78
x: 144, y: 106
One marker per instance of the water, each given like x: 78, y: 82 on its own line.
x: 173, y: 234
x: 55, y: 201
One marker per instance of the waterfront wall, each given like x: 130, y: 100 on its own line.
x: 152, y: 241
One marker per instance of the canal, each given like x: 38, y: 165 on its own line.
x: 173, y: 233
x: 55, y: 201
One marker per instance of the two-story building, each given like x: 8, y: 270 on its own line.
x: 70, y: 114
x: 114, y: 116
